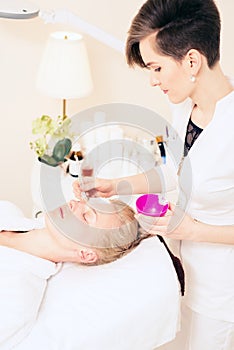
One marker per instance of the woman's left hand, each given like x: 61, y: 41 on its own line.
x: 175, y: 224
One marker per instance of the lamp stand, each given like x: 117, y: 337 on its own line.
x: 64, y: 109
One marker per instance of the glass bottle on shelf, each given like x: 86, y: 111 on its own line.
x: 160, y: 143
x: 75, y: 159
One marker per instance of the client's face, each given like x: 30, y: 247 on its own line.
x: 101, y: 214
x: 78, y: 218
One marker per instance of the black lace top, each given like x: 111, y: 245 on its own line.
x: 192, y: 133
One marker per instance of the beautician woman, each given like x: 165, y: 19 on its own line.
x: 178, y: 41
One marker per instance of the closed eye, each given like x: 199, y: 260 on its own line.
x: 90, y: 216
x: 158, y: 69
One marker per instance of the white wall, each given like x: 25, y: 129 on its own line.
x: 22, y: 43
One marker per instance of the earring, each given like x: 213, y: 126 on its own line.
x: 192, y: 79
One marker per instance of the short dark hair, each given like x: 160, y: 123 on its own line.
x: 179, y: 25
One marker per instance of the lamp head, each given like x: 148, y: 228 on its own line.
x: 15, y: 9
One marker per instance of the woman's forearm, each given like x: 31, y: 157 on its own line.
x: 136, y: 184
x: 41, y: 243
x: 14, y: 240
x: 154, y: 180
x: 35, y: 242
x: 213, y: 234
x: 5, y: 238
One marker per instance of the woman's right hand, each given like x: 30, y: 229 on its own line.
x: 94, y: 187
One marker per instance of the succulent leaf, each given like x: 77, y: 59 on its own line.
x: 61, y: 149
x: 49, y: 160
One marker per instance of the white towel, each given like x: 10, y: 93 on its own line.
x: 13, y: 219
x: 23, y: 280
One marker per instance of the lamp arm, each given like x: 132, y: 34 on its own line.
x: 67, y: 17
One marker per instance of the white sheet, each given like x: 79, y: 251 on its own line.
x: 23, y: 280
x: 132, y: 303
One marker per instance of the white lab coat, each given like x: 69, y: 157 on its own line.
x: 207, y: 190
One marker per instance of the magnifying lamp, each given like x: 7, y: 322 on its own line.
x: 24, y: 9
x: 16, y: 9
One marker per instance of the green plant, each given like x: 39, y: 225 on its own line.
x: 54, y: 143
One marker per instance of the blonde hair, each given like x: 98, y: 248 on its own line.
x: 126, y: 237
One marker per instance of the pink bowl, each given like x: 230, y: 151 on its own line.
x: 149, y: 204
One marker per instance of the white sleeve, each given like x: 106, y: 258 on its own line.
x: 168, y: 173
x: 175, y: 145
x: 23, y: 280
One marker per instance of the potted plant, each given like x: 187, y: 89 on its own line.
x: 54, y: 143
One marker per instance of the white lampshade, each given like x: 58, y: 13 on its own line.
x: 64, y: 71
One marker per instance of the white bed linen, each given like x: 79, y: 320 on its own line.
x: 23, y: 280
x: 132, y: 303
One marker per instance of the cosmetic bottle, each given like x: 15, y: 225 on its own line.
x: 75, y: 160
x: 159, y: 140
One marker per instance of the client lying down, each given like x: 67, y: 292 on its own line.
x: 87, y: 233
x: 78, y: 232
x: 93, y: 233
